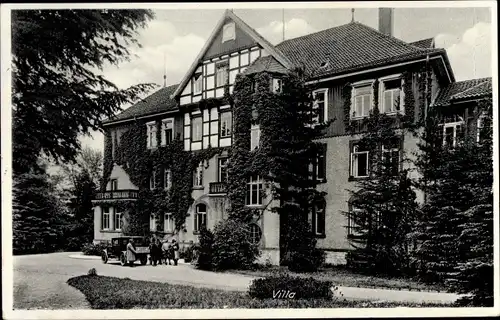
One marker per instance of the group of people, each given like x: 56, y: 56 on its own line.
x: 163, y: 252
x: 158, y: 252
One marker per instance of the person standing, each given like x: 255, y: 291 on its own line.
x: 152, y: 252
x: 131, y: 252
x: 175, y: 247
x: 165, y: 247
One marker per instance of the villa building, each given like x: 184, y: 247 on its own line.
x: 352, y: 55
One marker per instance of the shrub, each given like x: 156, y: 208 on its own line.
x: 186, y: 254
x: 304, y: 288
x: 232, y: 246
x: 306, y: 261
x: 91, y: 249
x: 204, y: 249
x: 92, y: 272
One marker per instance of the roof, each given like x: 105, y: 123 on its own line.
x: 245, y: 27
x: 463, y: 90
x: 424, y: 43
x: 347, y: 48
x: 159, y: 101
x: 268, y: 64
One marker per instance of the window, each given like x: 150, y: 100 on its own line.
x: 167, y: 179
x: 118, y: 221
x: 197, y: 83
x: 228, y: 32
x: 114, y: 184
x: 196, y: 129
x: 223, y: 175
x: 167, y: 131
x: 318, y: 219
x: 198, y: 175
x: 255, y: 233
x: 221, y: 75
x: 391, y: 154
x: 320, y: 106
x: 244, y: 59
x: 481, y: 132
x: 353, y: 221
x: 277, y: 85
x: 317, y: 169
x: 152, y: 181
x: 391, y: 101
x: 168, y: 223
x: 105, y: 218
x: 359, y: 162
x: 452, y: 130
x: 254, y: 191
x: 234, y: 62
x: 152, y: 222
x: 225, y: 124
x: 200, y: 218
x: 362, y: 101
x: 254, y: 137
x: 151, y: 130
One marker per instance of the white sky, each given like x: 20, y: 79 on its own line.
x: 178, y: 35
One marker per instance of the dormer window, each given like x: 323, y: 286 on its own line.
x: 228, y: 32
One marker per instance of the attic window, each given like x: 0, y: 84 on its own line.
x: 324, y: 64
x: 228, y: 32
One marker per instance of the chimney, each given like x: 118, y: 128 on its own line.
x: 385, y: 21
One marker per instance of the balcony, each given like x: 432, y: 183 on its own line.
x: 117, y: 194
x: 217, y: 188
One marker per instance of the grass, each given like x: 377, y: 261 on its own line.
x: 347, y: 278
x: 115, y: 293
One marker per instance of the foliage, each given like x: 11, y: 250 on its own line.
x: 91, y: 249
x: 139, y: 163
x: 114, y: 293
x: 204, y: 249
x: 232, y: 248
x: 38, y: 216
x: 385, y: 201
x: 92, y: 272
x: 473, y: 275
x: 286, y: 149
x: 55, y: 57
x: 304, y: 288
x: 186, y: 254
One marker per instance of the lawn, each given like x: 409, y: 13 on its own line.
x: 115, y: 293
x: 344, y: 277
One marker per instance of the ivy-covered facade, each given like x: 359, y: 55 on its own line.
x: 195, y: 153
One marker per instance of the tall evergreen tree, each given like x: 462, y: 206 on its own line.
x: 38, y: 216
x: 447, y: 183
x: 385, y: 202
x: 473, y: 274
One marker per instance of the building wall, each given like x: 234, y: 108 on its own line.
x: 124, y: 182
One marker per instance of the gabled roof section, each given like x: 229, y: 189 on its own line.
x: 268, y: 64
x: 424, y: 43
x: 349, y: 47
x: 246, y: 28
x: 159, y: 101
x: 464, y: 90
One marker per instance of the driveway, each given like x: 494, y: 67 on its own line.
x: 40, y: 282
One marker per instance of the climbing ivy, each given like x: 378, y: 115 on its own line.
x: 139, y: 163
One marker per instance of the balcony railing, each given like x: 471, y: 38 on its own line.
x: 117, y: 194
x: 217, y: 188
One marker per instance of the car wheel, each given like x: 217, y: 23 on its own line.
x: 104, y: 257
x: 144, y: 260
x: 123, y: 260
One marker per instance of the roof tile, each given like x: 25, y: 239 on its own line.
x: 463, y: 90
x: 159, y: 101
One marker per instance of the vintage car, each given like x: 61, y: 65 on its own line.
x: 117, y: 249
